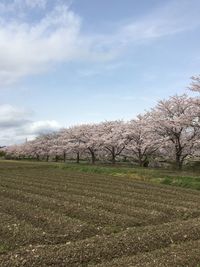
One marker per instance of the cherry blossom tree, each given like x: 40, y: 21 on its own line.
x: 113, y: 138
x: 72, y: 138
x: 13, y: 151
x: 143, y: 141
x: 91, y: 139
x: 55, y: 148
x: 195, y: 84
x: 171, y: 129
x: 63, y: 142
x: 175, y: 121
x: 43, y: 145
x: 32, y: 148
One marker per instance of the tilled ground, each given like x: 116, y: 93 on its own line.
x: 53, y: 217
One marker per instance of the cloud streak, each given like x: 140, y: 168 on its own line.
x: 169, y: 19
x: 29, y: 47
x: 16, y: 125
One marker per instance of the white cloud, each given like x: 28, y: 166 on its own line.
x: 42, y: 127
x: 36, y: 3
x: 21, y: 5
x: 170, y: 18
x: 32, y: 46
x: 12, y: 117
x: 16, y: 125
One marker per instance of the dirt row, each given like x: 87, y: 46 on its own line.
x: 190, y: 201
x: 101, y: 212
x: 135, y: 206
x: 185, y: 254
x: 98, y: 181
x: 105, y: 248
x: 79, y: 205
x: 53, y: 217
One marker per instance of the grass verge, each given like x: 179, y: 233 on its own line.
x: 184, y: 178
x: 187, y: 179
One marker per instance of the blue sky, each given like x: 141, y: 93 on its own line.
x: 69, y: 62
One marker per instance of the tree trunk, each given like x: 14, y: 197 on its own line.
x: 140, y: 158
x: 146, y: 163
x: 92, y: 156
x: 178, y: 149
x: 179, y: 163
x: 77, y: 157
x: 47, y: 158
x: 64, y: 156
x: 140, y: 162
x: 113, y: 156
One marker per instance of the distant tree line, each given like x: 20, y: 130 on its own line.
x: 170, y: 132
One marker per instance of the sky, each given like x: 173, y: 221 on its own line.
x: 67, y: 62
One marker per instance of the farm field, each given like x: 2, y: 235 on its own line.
x: 61, y: 217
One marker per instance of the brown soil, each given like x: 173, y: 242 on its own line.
x: 52, y: 217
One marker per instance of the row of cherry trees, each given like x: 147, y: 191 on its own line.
x: 169, y: 132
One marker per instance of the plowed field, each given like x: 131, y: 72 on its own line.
x: 54, y: 217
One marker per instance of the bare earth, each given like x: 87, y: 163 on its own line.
x: 53, y: 217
